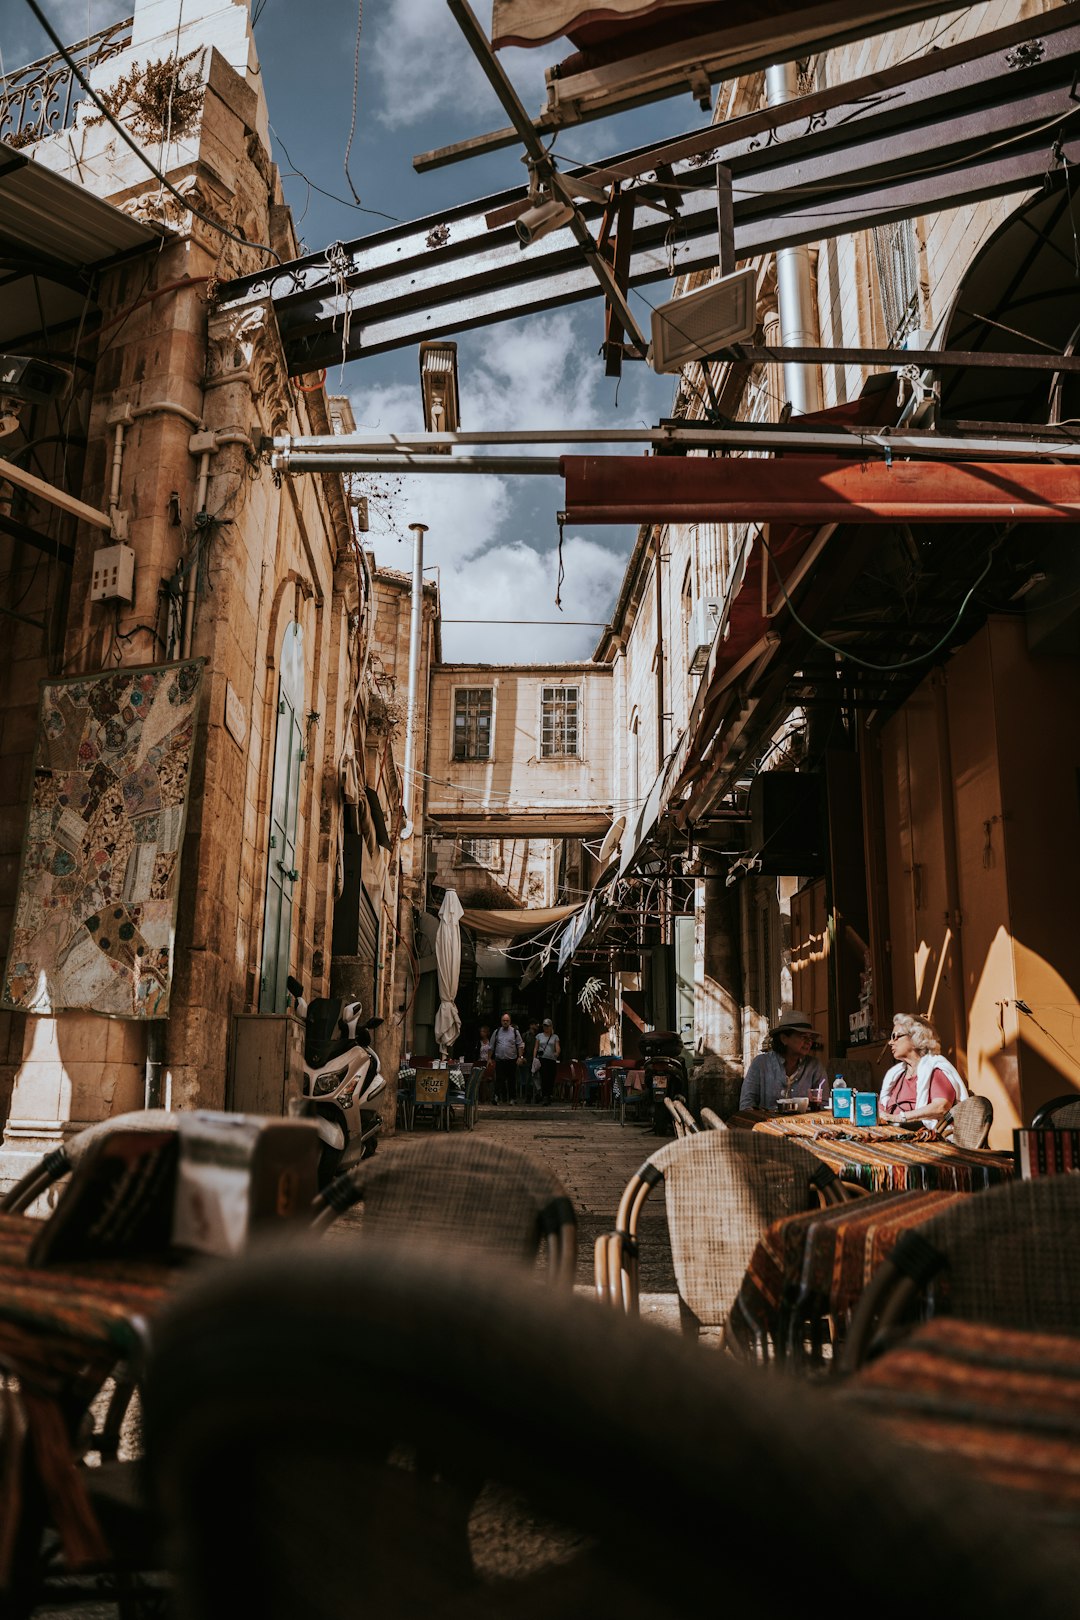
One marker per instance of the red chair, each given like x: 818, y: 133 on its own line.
x: 564, y: 1082
x: 580, y: 1078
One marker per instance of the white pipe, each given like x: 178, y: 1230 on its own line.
x: 117, y: 464
x: 310, y: 455
x: 794, y: 285
x: 415, y: 621
x: 169, y: 408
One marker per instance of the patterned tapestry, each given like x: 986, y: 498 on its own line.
x: 96, y: 906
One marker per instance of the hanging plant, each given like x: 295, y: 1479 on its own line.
x: 156, y: 99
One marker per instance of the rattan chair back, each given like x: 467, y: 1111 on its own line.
x: 257, y: 1448
x: 1059, y: 1114
x: 968, y: 1123
x: 463, y: 1194
x: 721, y: 1190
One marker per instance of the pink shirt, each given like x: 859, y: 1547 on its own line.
x: 941, y: 1090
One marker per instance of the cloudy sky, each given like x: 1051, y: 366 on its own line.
x: 493, y: 539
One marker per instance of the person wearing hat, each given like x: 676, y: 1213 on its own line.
x: 787, y: 1069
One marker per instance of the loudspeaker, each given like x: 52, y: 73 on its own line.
x: 701, y: 323
x: 786, y: 823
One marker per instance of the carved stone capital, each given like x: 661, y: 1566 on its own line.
x: 245, y: 346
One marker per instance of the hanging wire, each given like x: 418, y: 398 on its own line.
x: 355, y: 92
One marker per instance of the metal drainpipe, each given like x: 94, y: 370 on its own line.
x: 794, y: 285
x: 416, y: 618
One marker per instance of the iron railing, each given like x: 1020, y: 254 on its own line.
x: 40, y: 99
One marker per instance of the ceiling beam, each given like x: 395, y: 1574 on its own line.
x: 971, y: 128
x: 815, y: 489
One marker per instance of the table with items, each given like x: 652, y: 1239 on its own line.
x: 884, y: 1158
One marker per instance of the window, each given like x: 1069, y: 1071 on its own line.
x: 480, y: 852
x: 897, y: 263
x: 472, y: 722
x: 558, y: 721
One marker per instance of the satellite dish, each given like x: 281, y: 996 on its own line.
x: 612, y: 839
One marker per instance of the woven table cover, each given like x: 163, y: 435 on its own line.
x: 1002, y: 1402
x: 883, y: 1158
x: 816, y: 1264
x: 77, y: 1321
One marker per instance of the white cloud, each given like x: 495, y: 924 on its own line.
x: 421, y: 63
x: 515, y: 586
x: 489, y: 535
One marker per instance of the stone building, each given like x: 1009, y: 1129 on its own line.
x: 255, y: 588
x: 846, y: 754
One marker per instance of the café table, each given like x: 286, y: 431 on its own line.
x: 410, y: 1098
x: 884, y: 1158
x: 1001, y: 1402
x: 65, y: 1329
x: 808, y: 1270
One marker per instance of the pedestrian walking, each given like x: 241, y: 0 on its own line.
x: 532, y: 1081
x: 546, y: 1056
x: 507, y: 1048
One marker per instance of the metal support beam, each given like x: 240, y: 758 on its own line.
x: 949, y: 129
x: 816, y: 489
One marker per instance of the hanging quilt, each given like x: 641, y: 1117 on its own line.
x: 95, y: 913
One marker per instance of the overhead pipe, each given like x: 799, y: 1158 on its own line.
x: 418, y: 531
x: 794, y: 282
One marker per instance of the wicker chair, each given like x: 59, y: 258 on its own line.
x: 721, y: 1190
x: 1004, y: 1256
x: 288, y: 1493
x: 464, y: 1194
x: 968, y: 1123
x: 1059, y: 1114
x: 681, y: 1117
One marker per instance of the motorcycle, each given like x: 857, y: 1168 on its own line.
x: 661, y: 1052
x: 342, y: 1077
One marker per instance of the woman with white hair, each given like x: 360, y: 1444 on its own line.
x: 921, y: 1085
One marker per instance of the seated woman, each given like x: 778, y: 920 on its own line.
x: 787, y: 1069
x: 921, y: 1085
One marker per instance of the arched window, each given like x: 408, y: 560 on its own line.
x: 633, y: 774
x: 281, y: 869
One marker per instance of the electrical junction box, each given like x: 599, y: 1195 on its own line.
x: 114, y: 575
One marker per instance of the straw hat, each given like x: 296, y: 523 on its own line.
x: 793, y: 1021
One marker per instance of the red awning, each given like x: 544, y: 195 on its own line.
x: 806, y: 488
x: 605, y: 31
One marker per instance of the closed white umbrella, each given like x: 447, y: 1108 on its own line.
x: 448, y: 962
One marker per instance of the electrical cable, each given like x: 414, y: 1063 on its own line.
x: 355, y: 92
x: 907, y: 663
x: 344, y: 201
x: 185, y: 202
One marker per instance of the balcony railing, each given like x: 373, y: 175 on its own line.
x: 40, y: 99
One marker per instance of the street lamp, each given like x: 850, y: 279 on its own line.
x: 439, y: 388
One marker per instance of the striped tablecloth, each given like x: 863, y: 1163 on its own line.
x: 1004, y: 1404
x: 71, y: 1322
x: 814, y: 1265
x: 884, y: 1158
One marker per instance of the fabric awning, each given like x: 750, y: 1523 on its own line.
x: 513, y: 924
x: 740, y: 32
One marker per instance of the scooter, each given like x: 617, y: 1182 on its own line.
x: 665, y: 1074
x: 342, y: 1077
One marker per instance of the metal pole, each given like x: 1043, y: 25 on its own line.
x: 418, y: 531
x: 794, y: 286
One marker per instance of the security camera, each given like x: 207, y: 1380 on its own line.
x: 34, y: 382
x: 541, y: 219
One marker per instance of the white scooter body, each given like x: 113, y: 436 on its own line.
x: 340, y: 1089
